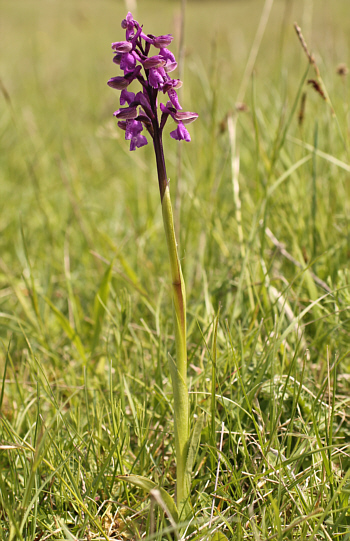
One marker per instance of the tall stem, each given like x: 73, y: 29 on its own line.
x: 161, y: 169
x: 178, y: 368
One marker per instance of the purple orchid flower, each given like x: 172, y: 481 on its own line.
x: 181, y: 118
x: 133, y: 132
x: 152, y: 71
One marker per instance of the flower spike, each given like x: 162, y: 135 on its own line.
x: 135, y: 59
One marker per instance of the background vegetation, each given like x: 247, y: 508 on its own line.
x: 85, y: 315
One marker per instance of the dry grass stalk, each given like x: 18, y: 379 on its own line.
x: 317, y: 85
x: 309, y: 55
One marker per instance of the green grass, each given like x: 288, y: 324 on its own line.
x: 85, y: 310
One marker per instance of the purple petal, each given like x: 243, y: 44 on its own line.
x: 154, y: 62
x: 170, y: 66
x: 171, y: 83
x: 138, y: 142
x: 133, y: 128
x: 143, y: 100
x: 185, y: 117
x: 156, y: 77
x: 119, y: 83
x: 134, y: 74
x: 168, y: 55
x: 117, y: 58
x: 126, y: 97
x: 127, y: 62
x: 168, y: 109
x: 162, y: 41
x: 133, y: 133
x: 128, y: 20
x: 129, y: 24
x: 173, y: 97
x: 126, y: 113
x: 165, y: 108
x: 122, y: 46
x: 180, y: 134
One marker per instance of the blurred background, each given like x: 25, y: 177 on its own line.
x: 66, y: 174
x: 85, y: 310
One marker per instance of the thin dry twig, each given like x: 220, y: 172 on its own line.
x: 309, y: 55
x: 317, y: 85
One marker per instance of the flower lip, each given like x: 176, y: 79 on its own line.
x: 122, y: 46
x: 127, y: 63
x: 181, y: 133
x: 156, y: 78
x: 133, y: 134
x: 126, y: 97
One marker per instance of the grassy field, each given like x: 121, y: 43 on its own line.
x: 262, y: 205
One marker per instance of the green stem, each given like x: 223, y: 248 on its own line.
x: 178, y: 369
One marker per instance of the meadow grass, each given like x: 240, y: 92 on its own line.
x: 85, y: 315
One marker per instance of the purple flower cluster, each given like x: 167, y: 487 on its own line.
x: 132, y: 55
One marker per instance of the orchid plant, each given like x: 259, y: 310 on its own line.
x: 140, y: 111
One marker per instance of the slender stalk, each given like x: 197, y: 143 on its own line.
x: 178, y: 368
x: 158, y: 150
